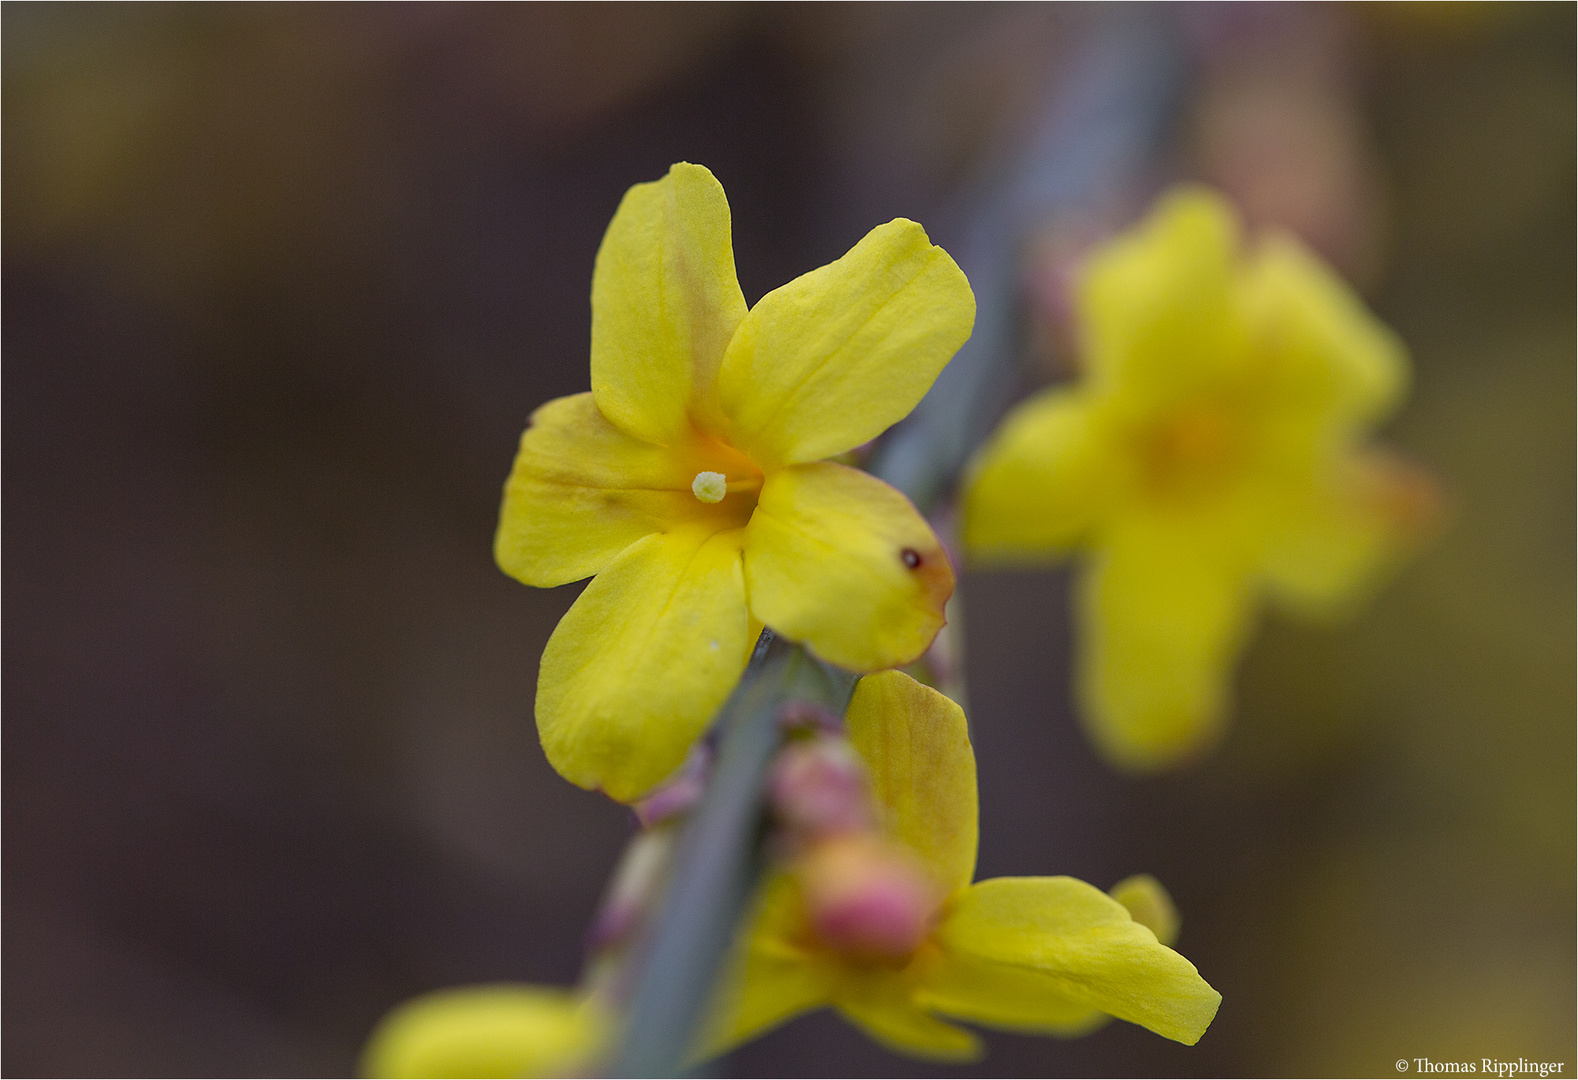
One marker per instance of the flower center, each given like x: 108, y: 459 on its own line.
x: 710, y: 487
x: 1193, y: 452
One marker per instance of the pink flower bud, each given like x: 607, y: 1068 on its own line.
x: 632, y: 890
x: 868, y: 899
x: 680, y: 792
x: 801, y: 715
x: 819, y: 788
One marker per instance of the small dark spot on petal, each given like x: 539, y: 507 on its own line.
x: 911, y: 557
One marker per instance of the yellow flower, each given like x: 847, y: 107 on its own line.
x: 1210, y: 453
x: 691, y: 479
x: 1050, y: 955
x: 487, y: 1031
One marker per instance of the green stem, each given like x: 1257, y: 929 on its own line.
x: 716, y: 865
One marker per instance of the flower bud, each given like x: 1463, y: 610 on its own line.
x: 633, y: 889
x: 680, y: 792
x: 819, y: 789
x: 802, y: 715
x: 868, y: 899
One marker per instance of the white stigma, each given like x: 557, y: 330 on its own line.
x: 710, y: 487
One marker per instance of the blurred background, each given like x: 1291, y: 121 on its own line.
x: 281, y: 284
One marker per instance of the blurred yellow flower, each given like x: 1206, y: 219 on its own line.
x: 1149, y: 904
x: 691, y: 480
x: 487, y: 1031
x: 1047, y: 955
x: 1210, y: 454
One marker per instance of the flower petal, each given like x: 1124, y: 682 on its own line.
x: 642, y: 660
x: 916, y: 745
x: 1037, y: 486
x: 1330, y: 356
x: 1074, y: 943
x: 1006, y: 997
x: 770, y: 990
x: 502, y: 1031
x: 1162, y: 612
x: 835, y: 357
x: 770, y: 979
x: 1158, y: 307
x: 582, y: 491
x: 837, y: 559
x: 665, y: 302
x: 1333, y: 544
x: 881, y: 1005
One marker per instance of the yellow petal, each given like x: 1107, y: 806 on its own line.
x: 665, y: 302
x: 840, y: 561
x: 1037, y: 486
x: 1004, y: 996
x: 1149, y: 905
x: 487, y: 1031
x: 1158, y: 307
x: 1329, y: 355
x: 642, y: 660
x: 916, y: 745
x: 771, y: 990
x: 835, y: 357
x: 881, y: 1004
x: 770, y: 978
x: 1076, y: 942
x: 1333, y: 544
x: 1162, y: 614
x: 582, y: 491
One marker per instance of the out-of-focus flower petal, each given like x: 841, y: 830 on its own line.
x: 838, y: 355
x: 1163, y: 612
x: 916, y: 744
x: 882, y: 1005
x: 1037, y: 486
x: 665, y: 303
x: 1326, y: 354
x: 1157, y: 305
x: 487, y: 1031
x: 1150, y: 905
x: 770, y: 991
x: 1082, y: 942
x: 840, y: 561
x: 772, y: 978
x: 1333, y: 544
x: 642, y: 660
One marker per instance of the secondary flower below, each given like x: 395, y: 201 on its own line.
x: 1035, y: 954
